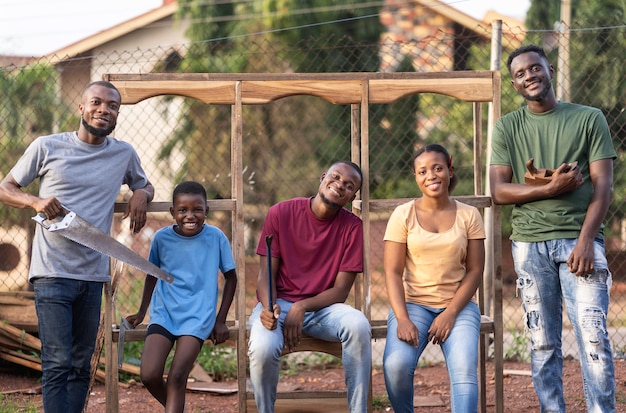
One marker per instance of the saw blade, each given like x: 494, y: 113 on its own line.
x: 75, y: 228
x: 124, y: 325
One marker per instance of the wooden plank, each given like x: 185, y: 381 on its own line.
x: 320, y: 402
x: 390, y: 90
x: 379, y: 327
x: 400, y: 77
x: 314, y: 344
x: 20, y: 337
x: 381, y: 205
x: 162, y: 206
x: 22, y: 359
x: 343, y: 92
x: 22, y: 316
x: 214, y: 92
x: 216, y: 88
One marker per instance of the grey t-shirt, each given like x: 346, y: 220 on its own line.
x: 86, y: 179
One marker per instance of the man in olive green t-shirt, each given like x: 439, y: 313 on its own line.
x: 557, y: 232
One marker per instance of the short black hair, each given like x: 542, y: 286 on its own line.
x: 101, y: 83
x: 525, y: 49
x: 354, y: 166
x: 189, y: 187
x: 435, y: 147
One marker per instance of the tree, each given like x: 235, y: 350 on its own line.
x: 29, y: 110
x: 228, y: 38
x: 598, y: 78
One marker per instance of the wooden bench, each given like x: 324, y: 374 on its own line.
x: 491, y: 322
x: 359, y: 90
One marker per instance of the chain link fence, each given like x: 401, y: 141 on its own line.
x: 290, y: 142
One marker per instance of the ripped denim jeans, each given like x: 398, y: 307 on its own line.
x: 545, y: 282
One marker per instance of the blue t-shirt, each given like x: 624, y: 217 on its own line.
x: 188, y: 306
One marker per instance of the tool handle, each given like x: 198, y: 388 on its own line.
x: 270, y: 294
x: 40, y: 218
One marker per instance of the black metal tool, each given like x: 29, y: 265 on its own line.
x: 270, y: 295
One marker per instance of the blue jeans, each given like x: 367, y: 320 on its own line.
x: 545, y: 281
x: 69, y: 316
x: 338, y: 322
x: 460, y: 352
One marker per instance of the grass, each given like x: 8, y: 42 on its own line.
x: 518, y: 350
x: 380, y: 402
x: 9, y: 405
x: 220, y: 361
x: 301, y: 361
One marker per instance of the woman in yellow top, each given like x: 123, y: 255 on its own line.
x: 433, y: 258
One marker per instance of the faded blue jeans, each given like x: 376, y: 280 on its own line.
x: 338, y: 322
x: 460, y: 351
x: 545, y: 281
x: 68, y: 313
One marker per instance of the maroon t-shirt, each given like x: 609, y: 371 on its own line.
x: 312, y: 250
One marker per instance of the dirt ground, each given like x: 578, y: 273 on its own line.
x: 431, y: 390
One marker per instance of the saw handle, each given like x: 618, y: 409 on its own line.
x: 40, y: 218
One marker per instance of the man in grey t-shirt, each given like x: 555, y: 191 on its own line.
x: 83, y: 172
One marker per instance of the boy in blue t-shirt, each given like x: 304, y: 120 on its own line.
x: 184, y: 311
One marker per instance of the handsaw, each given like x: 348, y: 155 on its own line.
x: 75, y: 228
x: 124, y: 325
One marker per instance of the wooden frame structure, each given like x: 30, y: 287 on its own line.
x: 359, y: 90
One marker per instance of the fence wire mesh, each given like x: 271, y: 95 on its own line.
x: 288, y: 143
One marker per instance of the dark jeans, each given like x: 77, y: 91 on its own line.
x: 69, y: 315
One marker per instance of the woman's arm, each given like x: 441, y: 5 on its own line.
x: 394, y: 260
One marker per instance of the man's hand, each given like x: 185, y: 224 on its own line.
x: 566, y: 178
x: 137, y: 207
x: 51, y: 207
x: 580, y: 261
x: 270, y: 319
x: 292, y: 327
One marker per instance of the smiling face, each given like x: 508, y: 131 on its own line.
x: 99, y: 108
x: 339, y: 185
x: 189, y: 212
x: 532, y: 76
x: 432, y: 174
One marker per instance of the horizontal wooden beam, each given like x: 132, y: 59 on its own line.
x: 337, y: 88
x: 213, y: 204
x: 380, y: 205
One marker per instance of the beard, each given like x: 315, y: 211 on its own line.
x: 97, y: 132
x: 328, y: 202
x: 541, y: 96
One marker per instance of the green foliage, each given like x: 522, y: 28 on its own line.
x: 315, y: 23
x: 29, y: 109
x: 219, y: 361
x: 298, y: 362
x: 10, y: 404
x: 381, y: 402
x: 597, y: 76
x: 518, y: 351
x: 221, y: 35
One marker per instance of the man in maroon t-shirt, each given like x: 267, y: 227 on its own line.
x: 317, y: 252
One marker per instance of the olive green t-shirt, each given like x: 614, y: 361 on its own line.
x: 567, y: 133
